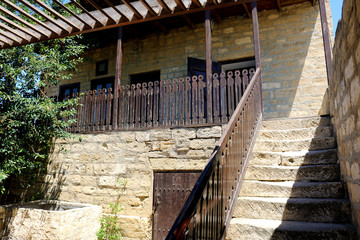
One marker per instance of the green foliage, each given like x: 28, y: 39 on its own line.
x: 110, y: 230
x: 29, y: 120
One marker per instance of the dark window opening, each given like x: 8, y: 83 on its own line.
x: 145, y: 77
x: 101, y: 68
x: 101, y: 83
x: 197, y: 67
x: 68, y: 90
x: 238, y: 64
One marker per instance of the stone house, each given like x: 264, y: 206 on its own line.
x: 140, y: 159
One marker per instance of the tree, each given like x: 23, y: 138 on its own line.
x: 29, y: 119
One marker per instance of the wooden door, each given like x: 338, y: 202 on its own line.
x: 171, y: 190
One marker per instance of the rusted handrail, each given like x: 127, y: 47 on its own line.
x: 208, y: 210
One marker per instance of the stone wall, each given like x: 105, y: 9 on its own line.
x: 107, y: 168
x: 345, y: 100
x: 292, y: 56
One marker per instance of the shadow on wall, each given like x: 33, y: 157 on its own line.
x: 47, y: 185
x: 293, y: 62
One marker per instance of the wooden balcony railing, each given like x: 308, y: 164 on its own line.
x: 208, y: 210
x: 180, y: 102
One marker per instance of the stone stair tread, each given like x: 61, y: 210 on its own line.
x: 294, y: 158
x: 318, y: 143
x: 294, y: 200
x: 304, y: 173
x: 289, y: 123
x: 296, y: 133
x: 293, y: 225
x: 298, y: 189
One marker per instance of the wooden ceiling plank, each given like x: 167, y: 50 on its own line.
x: 19, y: 19
x: 6, y: 37
x: 116, y: 10
x: 134, y: 10
x: 58, y: 15
x: 216, y: 16
x: 278, y: 5
x: 17, y: 34
x: 164, y: 6
x: 97, y: 22
x: 17, y: 26
x: 197, y: 3
x: 86, y: 25
x: 47, y: 17
x: 181, y: 4
x: 26, y: 14
x: 247, y: 10
x: 102, y: 11
x: 149, y: 8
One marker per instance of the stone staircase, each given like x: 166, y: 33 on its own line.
x: 292, y: 188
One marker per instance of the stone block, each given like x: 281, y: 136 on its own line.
x: 202, y: 144
x: 209, y: 132
x: 183, y: 133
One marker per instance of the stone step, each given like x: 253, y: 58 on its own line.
x: 301, y: 133
x: 294, y: 158
x: 319, y: 173
x: 295, y: 145
x: 262, y: 229
x: 294, y: 209
x: 295, y: 123
x: 252, y: 188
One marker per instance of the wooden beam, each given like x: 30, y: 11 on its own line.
x: 86, y: 25
x: 112, y: 21
x: 134, y: 10
x: 16, y: 33
x: 150, y: 9
x: 17, y: 26
x: 247, y: 10
x: 148, y: 19
x: 278, y: 5
x: 47, y: 17
x: 97, y: 22
x: 326, y: 40
x: 255, y: 23
x: 196, y: 3
x: 116, y: 10
x: 58, y: 15
x: 26, y: 14
x: 22, y: 21
x: 208, y: 66
x: 184, y: 17
x: 164, y: 6
x: 118, y: 66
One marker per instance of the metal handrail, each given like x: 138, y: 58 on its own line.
x: 208, y: 210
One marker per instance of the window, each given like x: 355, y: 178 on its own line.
x: 101, y: 68
x: 238, y: 64
x: 197, y: 67
x: 68, y: 90
x: 101, y: 83
x: 145, y: 77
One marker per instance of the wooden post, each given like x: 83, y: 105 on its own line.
x: 255, y: 22
x: 117, y: 78
x: 326, y: 39
x: 208, y: 67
